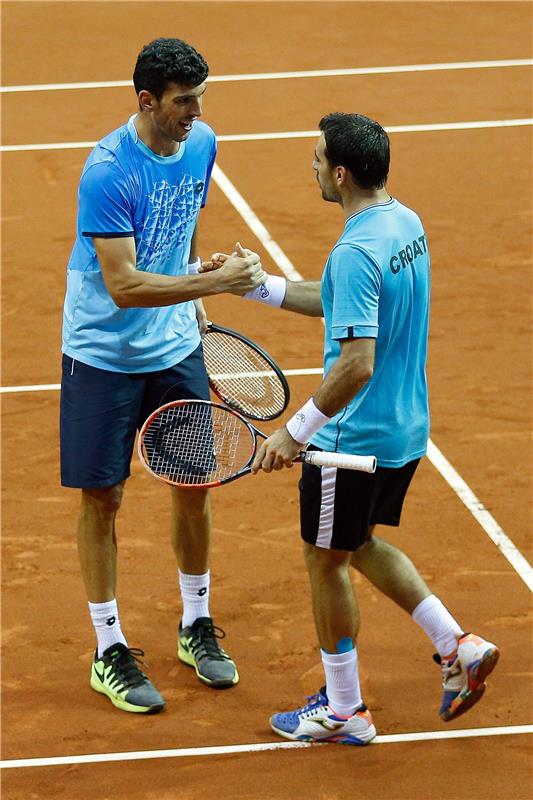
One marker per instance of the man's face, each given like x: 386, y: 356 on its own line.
x: 324, y: 173
x: 174, y: 114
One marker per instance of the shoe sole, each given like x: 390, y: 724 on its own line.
x: 338, y: 739
x: 122, y: 704
x: 188, y: 658
x: 478, y: 672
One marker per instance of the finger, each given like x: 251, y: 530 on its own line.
x: 259, y: 456
x: 239, y: 250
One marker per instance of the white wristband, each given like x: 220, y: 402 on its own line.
x: 306, y: 422
x: 193, y: 267
x: 271, y: 292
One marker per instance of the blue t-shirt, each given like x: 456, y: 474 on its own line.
x: 128, y: 190
x: 376, y: 285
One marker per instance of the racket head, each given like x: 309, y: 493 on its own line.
x: 196, y: 443
x: 243, y: 375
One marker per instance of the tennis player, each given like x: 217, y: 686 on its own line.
x: 131, y: 340
x: 374, y: 296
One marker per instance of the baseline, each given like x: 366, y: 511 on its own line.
x: 267, y: 76
x: 396, y: 738
x: 257, y: 137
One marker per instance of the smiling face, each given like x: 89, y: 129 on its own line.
x: 172, y: 116
x: 325, y: 174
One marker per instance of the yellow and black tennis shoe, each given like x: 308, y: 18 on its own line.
x: 199, y: 648
x: 117, y: 675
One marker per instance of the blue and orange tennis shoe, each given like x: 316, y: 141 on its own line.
x: 318, y: 722
x: 464, y: 674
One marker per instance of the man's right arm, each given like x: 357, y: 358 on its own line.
x: 133, y: 288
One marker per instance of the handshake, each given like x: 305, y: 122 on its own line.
x: 242, y: 274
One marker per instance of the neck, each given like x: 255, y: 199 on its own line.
x: 357, y: 202
x: 153, y: 138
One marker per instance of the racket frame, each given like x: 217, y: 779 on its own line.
x: 214, y: 328
x: 245, y: 470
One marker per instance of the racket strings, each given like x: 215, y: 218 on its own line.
x: 242, y: 375
x: 196, y: 444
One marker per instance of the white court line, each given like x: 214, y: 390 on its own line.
x: 484, y: 517
x: 258, y: 137
x: 138, y: 755
x: 269, y: 76
x: 55, y: 387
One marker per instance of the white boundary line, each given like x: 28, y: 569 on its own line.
x: 484, y: 517
x: 397, y: 738
x: 268, y: 76
x: 55, y: 387
x: 257, y: 137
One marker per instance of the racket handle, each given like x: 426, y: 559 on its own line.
x: 339, y: 460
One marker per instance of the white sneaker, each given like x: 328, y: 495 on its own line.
x: 464, y: 674
x: 318, y: 722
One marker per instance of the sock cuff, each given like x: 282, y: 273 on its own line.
x: 109, y: 607
x: 193, y: 581
x: 425, y: 605
x: 338, y: 659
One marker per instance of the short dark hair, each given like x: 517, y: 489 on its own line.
x: 359, y: 144
x: 165, y: 61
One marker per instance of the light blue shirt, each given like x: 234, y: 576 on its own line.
x: 376, y: 284
x: 126, y: 190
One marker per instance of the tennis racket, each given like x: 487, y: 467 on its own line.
x: 193, y: 443
x: 243, y: 375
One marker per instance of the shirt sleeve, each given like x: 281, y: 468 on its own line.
x: 356, y: 282
x: 105, y: 207
x: 209, y: 171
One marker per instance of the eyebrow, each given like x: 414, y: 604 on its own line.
x: 188, y: 96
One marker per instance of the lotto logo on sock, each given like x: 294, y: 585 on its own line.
x: 202, y: 591
x: 110, y: 621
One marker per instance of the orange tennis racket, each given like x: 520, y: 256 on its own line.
x: 196, y: 443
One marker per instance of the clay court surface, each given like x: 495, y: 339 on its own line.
x: 472, y: 186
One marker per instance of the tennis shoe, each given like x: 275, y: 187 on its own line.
x: 199, y: 648
x: 318, y: 722
x: 464, y: 674
x: 116, y: 674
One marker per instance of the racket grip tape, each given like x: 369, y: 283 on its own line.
x: 339, y: 460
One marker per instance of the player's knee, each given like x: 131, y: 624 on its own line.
x: 320, y: 560
x: 105, y: 501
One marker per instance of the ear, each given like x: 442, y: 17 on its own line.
x: 147, y: 102
x: 340, y: 175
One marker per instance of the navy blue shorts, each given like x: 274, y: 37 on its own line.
x: 101, y: 412
x: 338, y: 506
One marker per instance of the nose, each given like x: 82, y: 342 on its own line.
x: 196, y: 107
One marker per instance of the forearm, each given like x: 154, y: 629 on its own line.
x: 344, y: 380
x: 303, y: 297
x: 146, y: 289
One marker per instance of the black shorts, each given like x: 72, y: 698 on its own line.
x: 101, y: 412
x: 338, y: 506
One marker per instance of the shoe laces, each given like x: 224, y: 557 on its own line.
x: 314, y: 703
x: 125, y: 666
x: 204, y: 641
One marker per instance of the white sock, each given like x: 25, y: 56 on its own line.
x: 342, y: 681
x: 437, y: 622
x: 106, y: 624
x: 195, y: 596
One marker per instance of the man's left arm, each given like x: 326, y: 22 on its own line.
x: 350, y: 372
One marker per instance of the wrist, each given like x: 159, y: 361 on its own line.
x: 271, y: 292
x: 194, y: 266
x: 306, y: 422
